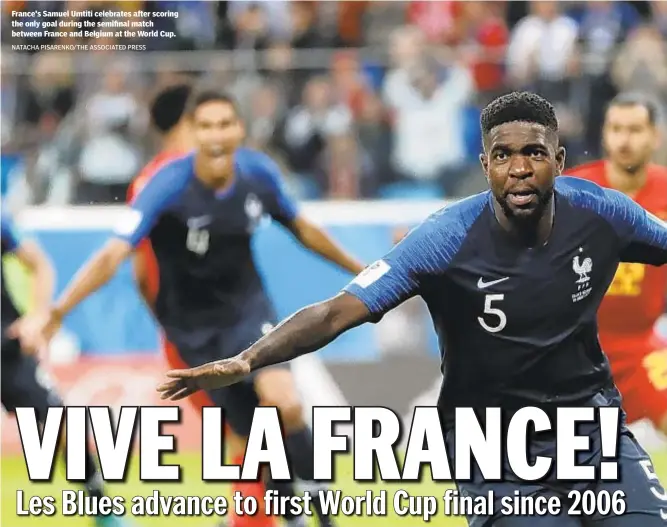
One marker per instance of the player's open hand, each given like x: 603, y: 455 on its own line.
x: 34, y: 331
x: 209, y: 376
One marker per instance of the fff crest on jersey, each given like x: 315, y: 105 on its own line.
x: 254, y: 210
x: 582, y: 266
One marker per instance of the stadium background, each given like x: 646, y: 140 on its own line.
x: 372, y: 110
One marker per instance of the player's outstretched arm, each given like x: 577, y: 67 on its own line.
x: 308, y: 330
x: 316, y: 239
x: 35, y: 331
x: 136, y: 223
x: 377, y: 290
x: 95, y: 273
x: 282, y: 208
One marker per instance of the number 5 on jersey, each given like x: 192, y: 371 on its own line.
x: 494, y: 319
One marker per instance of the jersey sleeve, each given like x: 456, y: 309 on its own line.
x: 134, y: 186
x: 11, y: 238
x: 278, y: 203
x: 147, y: 205
x: 401, y: 274
x: 643, y: 235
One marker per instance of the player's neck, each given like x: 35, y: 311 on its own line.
x: 215, y: 177
x: 629, y: 183
x: 528, y: 233
x: 178, y: 140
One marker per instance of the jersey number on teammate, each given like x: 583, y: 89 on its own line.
x: 197, y: 240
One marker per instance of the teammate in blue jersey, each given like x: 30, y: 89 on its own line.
x: 513, y: 278
x: 199, y: 213
x: 24, y: 384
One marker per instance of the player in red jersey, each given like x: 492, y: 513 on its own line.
x: 637, y: 296
x: 167, y: 114
x: 167, y: 117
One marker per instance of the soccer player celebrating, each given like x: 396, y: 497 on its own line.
x: 513, y: 278
x: 636, y: 298
x: 170, y: 119
x: 24, y: 384
x: 200, y: 212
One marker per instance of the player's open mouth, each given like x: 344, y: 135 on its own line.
x: 522, y: 198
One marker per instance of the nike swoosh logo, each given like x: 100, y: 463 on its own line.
x: 663, y: 514
x: 483, y: 285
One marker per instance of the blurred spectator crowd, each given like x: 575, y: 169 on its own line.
x: 354, y: 99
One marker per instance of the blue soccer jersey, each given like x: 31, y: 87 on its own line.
x: 202, y: 242
x: 519, y: 324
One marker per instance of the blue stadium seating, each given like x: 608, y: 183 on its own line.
x: 410, y: 190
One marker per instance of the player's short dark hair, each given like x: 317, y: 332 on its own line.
x: 637, y: 99
x: 518, y: 106
x: 204, y: 95
x: 168, y: 106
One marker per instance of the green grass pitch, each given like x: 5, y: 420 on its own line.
x: 14, y: 477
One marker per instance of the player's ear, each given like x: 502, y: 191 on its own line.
x: 560, y: 159
x: 484, y: 160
